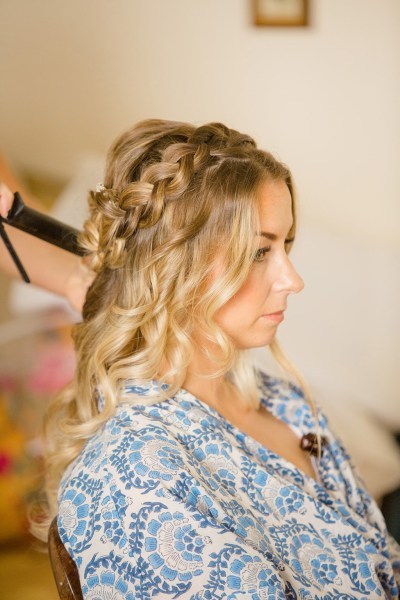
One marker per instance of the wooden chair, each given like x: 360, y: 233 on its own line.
x: 64, y: 568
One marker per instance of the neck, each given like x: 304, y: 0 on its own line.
x: 198, y: 383
x: 199, y: 380
x: 218, y: 392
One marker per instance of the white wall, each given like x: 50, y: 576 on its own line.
x: 324, y: 98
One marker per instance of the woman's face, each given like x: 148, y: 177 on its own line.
x: 252, y: 316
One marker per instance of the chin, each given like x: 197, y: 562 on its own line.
x: 256, y: 342
x: 262, y: 344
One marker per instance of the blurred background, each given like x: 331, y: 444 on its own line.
x: 324, y: 98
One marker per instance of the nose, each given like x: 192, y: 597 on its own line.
x: 289, y: 280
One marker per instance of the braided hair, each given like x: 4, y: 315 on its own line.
x: 154, y: 164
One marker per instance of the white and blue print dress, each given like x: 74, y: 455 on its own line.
x: 171, y: 501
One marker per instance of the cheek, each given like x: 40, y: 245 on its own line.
x: 256, y: 287
x: 241, y: 306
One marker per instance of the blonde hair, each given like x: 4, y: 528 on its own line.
x: 174, y: 197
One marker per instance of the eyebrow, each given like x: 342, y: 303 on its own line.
x: 269, y: 236
x: 273, y: 237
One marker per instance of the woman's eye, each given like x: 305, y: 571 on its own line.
x: 260, y: 254
x: 288, y: 244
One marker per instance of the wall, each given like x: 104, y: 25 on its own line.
x: 324, y: 98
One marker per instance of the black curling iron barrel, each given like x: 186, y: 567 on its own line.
x: 39, y: 225
x: 42, y: 226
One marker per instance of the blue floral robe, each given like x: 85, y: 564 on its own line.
x: 171, y: 501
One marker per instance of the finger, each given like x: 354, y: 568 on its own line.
x: 6, y: 200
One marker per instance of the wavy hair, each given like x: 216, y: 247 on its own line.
x: 174, y: 197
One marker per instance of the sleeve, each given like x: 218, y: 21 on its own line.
x: 138, y: 540
x: 360, y: 498
x: 346, y: 473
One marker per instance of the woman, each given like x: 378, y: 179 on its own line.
x: 183, y: 469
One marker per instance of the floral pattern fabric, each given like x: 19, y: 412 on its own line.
x: 169, y: 500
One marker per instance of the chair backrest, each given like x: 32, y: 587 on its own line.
x: 64, y: 568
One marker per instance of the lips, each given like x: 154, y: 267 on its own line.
x: 276, y: 316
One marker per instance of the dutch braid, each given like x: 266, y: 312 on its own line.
x: 166, y: 173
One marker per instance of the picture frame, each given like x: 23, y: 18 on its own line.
x: 280, y: 13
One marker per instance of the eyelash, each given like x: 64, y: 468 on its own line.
x: 261, y: 252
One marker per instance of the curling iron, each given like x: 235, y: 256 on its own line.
x: 39, y: 225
